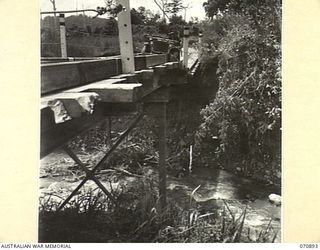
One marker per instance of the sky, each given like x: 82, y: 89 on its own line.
x: 196, y: 9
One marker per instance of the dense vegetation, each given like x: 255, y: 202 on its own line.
x: 245, y: 37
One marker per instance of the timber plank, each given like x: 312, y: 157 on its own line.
x: 59, y: 134
x: 145, y: 74
x: 90, y: 86
x: 113, y: 92
x: 119, y: 93
x: 161, y: 94
x: 146, y: 78
x: 47, y: 117
x: 66, y: 106
x: 127, y: 77
x: 59, y: 76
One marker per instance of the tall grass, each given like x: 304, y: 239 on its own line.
x: 92, y: 217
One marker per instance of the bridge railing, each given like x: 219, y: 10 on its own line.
x: 63, y: 75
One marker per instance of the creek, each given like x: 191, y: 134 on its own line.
x: 215, y: 188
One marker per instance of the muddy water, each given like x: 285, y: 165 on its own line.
x: 238, y: 192
x: 214, y: 186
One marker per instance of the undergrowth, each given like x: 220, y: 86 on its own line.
x: 136, y: 217
x: 241, y: 127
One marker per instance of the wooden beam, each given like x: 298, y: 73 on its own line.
x: 127, y: 77
x: 159, y: 95
x: 61, y: 76
x: 112, y: 91
x: 67, y: 106
x: 146, y: 78
x: 119, y: 93
x: 88, y: 87
x: 46, y: 117
x: 64, y: 75
x: 60, y: 134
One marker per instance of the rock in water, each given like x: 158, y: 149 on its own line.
x: 275, y: 199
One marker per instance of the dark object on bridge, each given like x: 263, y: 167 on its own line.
x: 174, y: 55
x: 160, y: 45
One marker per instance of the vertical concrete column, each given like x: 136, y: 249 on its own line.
x: 163, y: 154
x: 125, y: 38
x: 63, y: 40
x: 200, y: 44
x: 186, y: 34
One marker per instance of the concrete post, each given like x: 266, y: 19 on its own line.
x: 125, y: 38
x: 186, y: 34
x: 200, y: 44
x: 63, y: 40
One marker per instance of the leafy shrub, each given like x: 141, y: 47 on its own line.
x: 246, y: 114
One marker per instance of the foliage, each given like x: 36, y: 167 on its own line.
x: 92, y: 217
x: 175, y: 6
x: 144, y: 16
x: 246, y: 114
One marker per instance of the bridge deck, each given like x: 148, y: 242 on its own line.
x: 75, y: 105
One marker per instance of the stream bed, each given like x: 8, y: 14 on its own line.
x: 215, y: 188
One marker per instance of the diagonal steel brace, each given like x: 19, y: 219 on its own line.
x: 90, y: 173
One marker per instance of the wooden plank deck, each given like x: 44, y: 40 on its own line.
x: 79, y: 106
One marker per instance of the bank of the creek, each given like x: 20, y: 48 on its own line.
x: 215, y: 188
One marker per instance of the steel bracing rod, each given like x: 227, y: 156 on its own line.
x: 89, y: 174
x: 120, y: 139
x: 74, y: 192
x: 76, y: 159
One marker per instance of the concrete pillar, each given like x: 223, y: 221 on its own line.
x: 186, y: 34
x: 125, y: 38
x: 200, y: 44
x: 63, y: 40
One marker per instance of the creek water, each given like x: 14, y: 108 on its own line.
x: 215, y: 188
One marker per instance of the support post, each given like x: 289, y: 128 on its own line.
x: 186, y: 34
x: 200, y: 44
x: 125, y: 38
x: 109, y: 131
x: 90, y: 173
x: 162, y: 154
x: 63, y: 40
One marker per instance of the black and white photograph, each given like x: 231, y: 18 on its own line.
x: 161, y: 121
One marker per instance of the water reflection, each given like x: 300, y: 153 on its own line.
x: 218, y: 185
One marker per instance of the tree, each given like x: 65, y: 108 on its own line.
x: 177, y: 20
x: 137, y: 16
x: 175, y: 6
x: 163, y: 6
x: 152, y: 18
x: 261, y: 12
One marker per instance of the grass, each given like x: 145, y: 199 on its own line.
x: 92, y: 217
